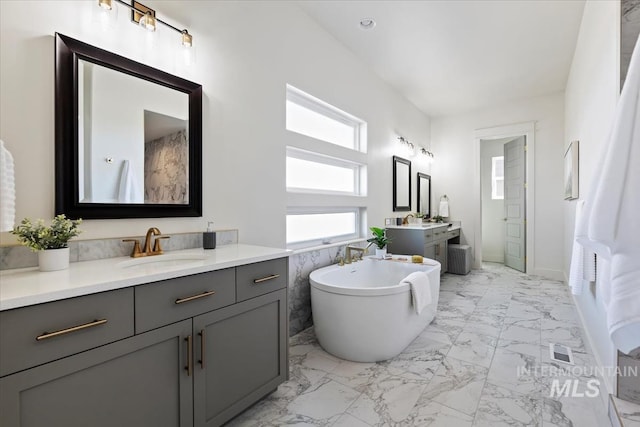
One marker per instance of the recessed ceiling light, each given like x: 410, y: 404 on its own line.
x: 367, y: 23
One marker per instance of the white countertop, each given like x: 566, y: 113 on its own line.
x: 425, y: 226
x: 28, y: 286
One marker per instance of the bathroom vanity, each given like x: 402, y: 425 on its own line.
x: 178, y: 341
x: 428, y: 240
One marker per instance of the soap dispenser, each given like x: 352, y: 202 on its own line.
x: 209, y: 237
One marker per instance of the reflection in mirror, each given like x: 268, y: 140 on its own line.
x: 424, y: 194
x: 133, y: 141
x: 128, y: 137
x: 401, y: 184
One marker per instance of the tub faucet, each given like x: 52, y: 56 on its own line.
x: 349, y: 258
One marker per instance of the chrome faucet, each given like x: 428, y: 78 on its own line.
x: 147, y: 251
x: 350, y: 258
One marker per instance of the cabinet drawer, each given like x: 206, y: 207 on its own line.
x: 261, y: 278
x: 439, y: 233
x: 428, y: 235
x: 169, y: 301
x: 38, y: 334
x: 453, y: 233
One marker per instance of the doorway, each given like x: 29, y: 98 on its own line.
x: 502, y: 174
x: 504, y: 196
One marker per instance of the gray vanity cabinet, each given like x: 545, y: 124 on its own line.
x: 190, y: 351
x: 240, y: 355
x: 139, y: 381
x: 431, y: 242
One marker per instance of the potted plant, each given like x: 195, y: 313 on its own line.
x: 51, y: 243
x: 380, y: 240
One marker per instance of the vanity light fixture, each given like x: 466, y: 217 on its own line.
x: 407, y: 146
x: 427, y: 153
x: 411, y: 149
x: 146, y: 18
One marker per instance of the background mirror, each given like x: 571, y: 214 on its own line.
x: 128, y: 137
x: 133, y: 143
x: 401, y: 184
x: 424, y: 194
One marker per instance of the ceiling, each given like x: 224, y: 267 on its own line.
x: 452, y: 56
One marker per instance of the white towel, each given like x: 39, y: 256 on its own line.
x: 420, y: 289
x: 7, y: 190
x: 589, y: 266
x: 576, y: 270
x: 128, y: 191
x: 609, y: 225
x: 444, y: 208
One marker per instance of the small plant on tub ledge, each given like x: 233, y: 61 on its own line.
x: 51, y: 243
x: 380, y: 239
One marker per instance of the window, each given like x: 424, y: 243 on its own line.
x: 310, y: 172
x: 321, y: 227
x: 497, y: 178
x: 326, y: 172
x: 314, y: 118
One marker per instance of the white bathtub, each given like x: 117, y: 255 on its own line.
x: 362, y: 313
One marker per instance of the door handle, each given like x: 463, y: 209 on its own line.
x: 504, y: 219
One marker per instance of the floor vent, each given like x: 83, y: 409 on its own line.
x: 560, y: 353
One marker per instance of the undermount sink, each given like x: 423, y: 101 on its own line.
x: 162, y: 260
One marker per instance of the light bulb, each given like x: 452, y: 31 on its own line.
x: 148, y: 22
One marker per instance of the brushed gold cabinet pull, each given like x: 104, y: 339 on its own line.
x: 191, y: 298
x: 46, y: 335
x: 202, y: 344
x: 264, y: 279
x: 189, y: 367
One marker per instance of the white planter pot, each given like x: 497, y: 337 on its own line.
x: 380, y: 253
x: 53, y: 259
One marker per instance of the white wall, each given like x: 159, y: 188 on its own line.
x: 246, y: 54
x: 492, y: 209
x: 591, y: 95
x: 452, y: 138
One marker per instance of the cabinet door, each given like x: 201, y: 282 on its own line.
x: 240, y: 356
x: 430, y: 251
x: 139, y: 381
x: 441, y: 255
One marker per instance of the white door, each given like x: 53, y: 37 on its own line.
x: 514, y: 204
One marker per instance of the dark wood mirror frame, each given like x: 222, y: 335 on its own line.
x: 397, y: 182
x: 68, y: 52
x: 426, y: 210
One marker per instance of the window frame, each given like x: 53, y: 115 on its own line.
x: 495, y: 179
x: 305, y: 201
x: 327, y: 240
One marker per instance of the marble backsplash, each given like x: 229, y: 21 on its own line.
x: 87, y: 250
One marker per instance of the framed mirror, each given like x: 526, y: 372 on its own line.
x: 424, y: 194
x: 128, y: 137
x: 401, y: 184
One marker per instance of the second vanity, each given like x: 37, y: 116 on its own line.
x: 429, y: 240
x: 191, y: 339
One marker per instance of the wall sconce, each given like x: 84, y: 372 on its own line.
x: 407, y: 146
x: 411, y: 149
x: 145, y: 17
x: 427, y: 153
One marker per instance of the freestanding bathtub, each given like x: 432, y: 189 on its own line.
x: 362, y: 313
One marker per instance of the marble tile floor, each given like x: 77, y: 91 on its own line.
x: 468, y: 368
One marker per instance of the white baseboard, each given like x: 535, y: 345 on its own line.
x: 596, y: 357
